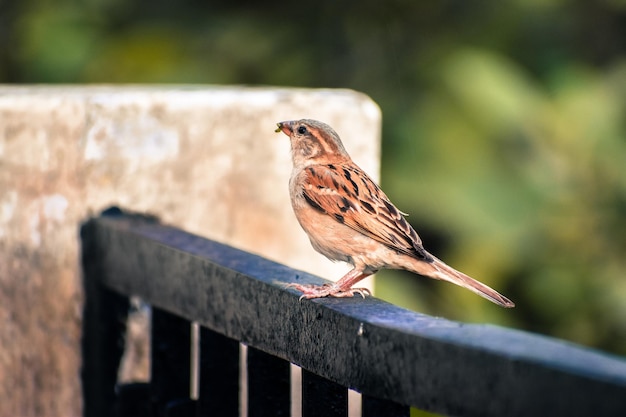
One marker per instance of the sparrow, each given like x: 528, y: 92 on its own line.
x: 348, y: 218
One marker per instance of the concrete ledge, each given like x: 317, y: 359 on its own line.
x: 202, y: 158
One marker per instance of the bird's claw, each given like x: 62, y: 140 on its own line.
x: 310, y: 291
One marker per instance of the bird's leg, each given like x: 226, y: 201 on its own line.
x: 342, y: 288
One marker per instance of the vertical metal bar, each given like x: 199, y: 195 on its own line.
x: 171, y: 359
x: 321, y: 397
x: 104, y: 327
x: 374, y: 407
x: 194, y: 389
x: 268, y: 385
x: 219, y: 375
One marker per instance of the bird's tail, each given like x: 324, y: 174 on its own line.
x: 437, y: 269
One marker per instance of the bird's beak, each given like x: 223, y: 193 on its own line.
x: 285, y: 127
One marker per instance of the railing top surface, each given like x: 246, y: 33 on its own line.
x: 366, y: 344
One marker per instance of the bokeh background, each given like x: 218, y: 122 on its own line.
x: 504, y: 124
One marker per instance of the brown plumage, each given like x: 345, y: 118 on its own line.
x: 349, y: 218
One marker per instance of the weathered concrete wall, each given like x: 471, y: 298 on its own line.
x: 204, y: 159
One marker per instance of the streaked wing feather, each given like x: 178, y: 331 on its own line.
x: 349, y: 195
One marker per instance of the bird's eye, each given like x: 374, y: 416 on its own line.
x: 302, y: 130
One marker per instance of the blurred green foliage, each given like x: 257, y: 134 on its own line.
x: 504, y: 126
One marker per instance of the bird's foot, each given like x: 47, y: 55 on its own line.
x: 327, y: 290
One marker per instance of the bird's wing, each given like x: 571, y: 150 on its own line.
x: 348, y: 194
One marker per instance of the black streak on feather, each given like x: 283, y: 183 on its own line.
x: 367, y: 206
x: 347, y: 205
x: 386, y: 218
x: 313, y: 203
x: 420, y: 253
x: 392, y: 210
x: 349, y: 177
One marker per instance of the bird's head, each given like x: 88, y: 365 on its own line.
x: 312, y: 141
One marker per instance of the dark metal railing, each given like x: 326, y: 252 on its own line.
x: 394, y: 357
